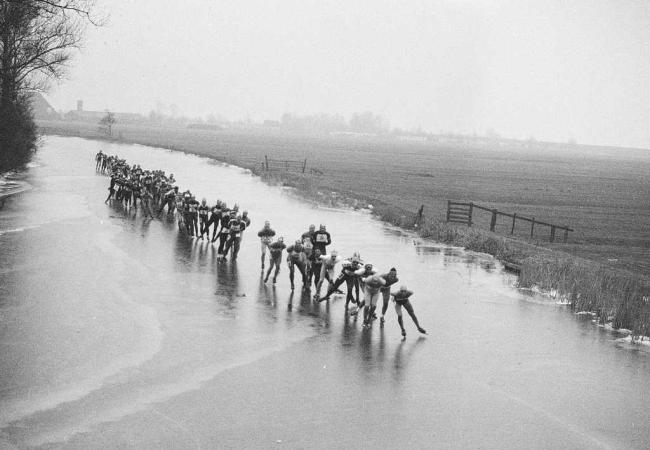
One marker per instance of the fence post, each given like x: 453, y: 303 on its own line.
x: 552, y: 233
x: 304, y: 165
x: 493, y: 222
x: 514, y: 217
x: 286, y: 165
x: 566, y: 234
x: 532, y: 227
x: 448, y: 209
x: 418, y: 218
x: 471, y: 210
x: 266, y: 160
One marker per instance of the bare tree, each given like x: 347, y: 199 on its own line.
x: 106, y: 123
x: 368, y: 122
x: 37, y: 40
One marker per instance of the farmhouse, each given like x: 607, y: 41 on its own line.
x: 81, y: 115
x: 41, y: 108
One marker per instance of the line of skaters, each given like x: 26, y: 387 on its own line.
x: 155, y: 191
x: 309, y: 255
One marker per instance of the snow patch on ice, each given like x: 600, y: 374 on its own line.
x: 638, y: 340
x: 19, y: 229
x: 642, y: 340
x: 553, y: 294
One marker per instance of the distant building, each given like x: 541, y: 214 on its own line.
x: 41, y: 108
x: 80, y: 115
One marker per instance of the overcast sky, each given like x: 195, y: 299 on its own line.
x: 550, y: 69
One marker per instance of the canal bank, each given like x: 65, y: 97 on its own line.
x: 617, y: 297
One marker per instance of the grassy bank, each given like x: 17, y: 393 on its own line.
x: 604, y: 268
x: 617, y: 298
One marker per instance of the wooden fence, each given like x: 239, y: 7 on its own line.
x: 460, y: 212
x: 268, y: 164
x: 287, y: 165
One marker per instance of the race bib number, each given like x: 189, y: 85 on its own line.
x: 321, y: 238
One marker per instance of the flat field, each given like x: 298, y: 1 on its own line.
x: 602, y: 193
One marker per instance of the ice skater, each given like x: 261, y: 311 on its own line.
x: 401, y: 299
x: 275, y: 258
x: 371, y: 286
x: 296, y: 258
x: 391, y: 279
x: 327, y: 265
x: 266, y: 237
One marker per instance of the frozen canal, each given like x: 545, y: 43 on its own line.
x: 119, y: 332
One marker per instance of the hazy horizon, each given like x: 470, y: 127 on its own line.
x: 551, y: 70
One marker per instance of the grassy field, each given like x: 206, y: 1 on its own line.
x: 602, y: 193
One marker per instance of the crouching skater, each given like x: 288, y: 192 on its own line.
x: 401, y: 299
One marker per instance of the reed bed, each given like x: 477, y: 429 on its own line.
x: 617, y: 298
